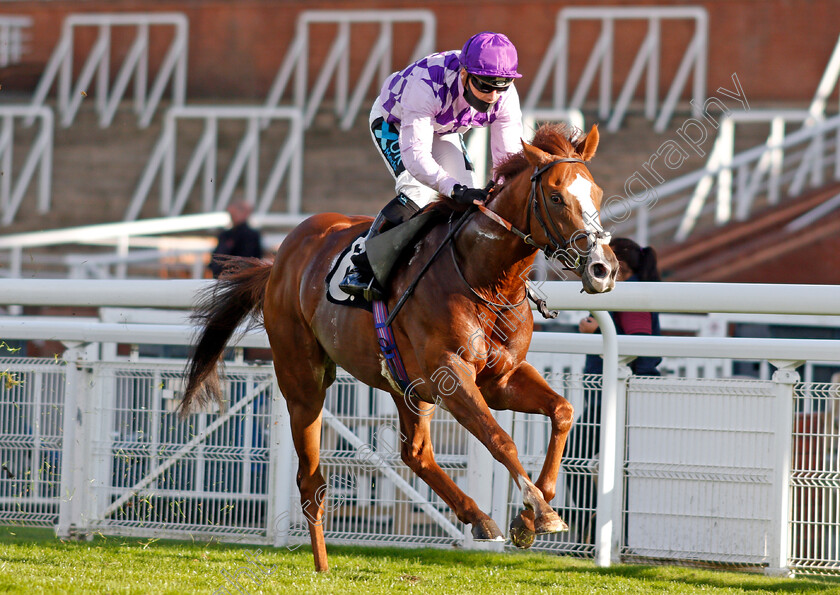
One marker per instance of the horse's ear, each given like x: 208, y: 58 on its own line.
x: 535, y: 156
x: 587, y: 146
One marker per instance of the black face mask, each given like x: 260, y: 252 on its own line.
x: 474, y: 102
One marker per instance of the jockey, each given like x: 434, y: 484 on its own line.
x: 417, y: 125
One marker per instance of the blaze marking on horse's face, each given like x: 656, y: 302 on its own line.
x: 581, y: 189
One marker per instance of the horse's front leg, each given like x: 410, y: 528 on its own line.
x: 453, y: 381
x: 527, y: 391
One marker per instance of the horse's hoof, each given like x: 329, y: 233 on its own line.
x: 549, y: 522
x: 486, y: 530
x: 521, y: 534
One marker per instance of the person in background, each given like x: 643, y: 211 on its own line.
x: 635, y: 264
x: 240, y: 240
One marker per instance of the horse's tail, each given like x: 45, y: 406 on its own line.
x: 221, y: 308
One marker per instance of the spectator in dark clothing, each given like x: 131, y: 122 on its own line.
x: 240, y: 240
x: 636, y: 264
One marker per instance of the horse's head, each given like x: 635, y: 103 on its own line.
x: 564, y: 204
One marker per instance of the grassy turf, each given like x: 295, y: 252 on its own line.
x: 32, y: 561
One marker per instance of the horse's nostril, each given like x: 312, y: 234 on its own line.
x: 598, y: 270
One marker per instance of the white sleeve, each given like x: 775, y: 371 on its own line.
x: 506, y: 130
x: 416, y: 134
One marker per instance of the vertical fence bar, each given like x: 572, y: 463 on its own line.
x: 605, y: 524
x: 779, y: 537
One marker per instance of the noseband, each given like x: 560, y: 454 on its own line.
x: 537, y: 193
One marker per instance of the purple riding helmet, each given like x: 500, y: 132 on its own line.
x: 491, y: 61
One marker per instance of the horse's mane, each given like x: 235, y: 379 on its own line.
x: 555, y: 139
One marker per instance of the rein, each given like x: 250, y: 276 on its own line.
x: 503, y: 306
x: 549, y: 250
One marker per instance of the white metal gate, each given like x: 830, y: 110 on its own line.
x: 648, y: 57
x: 337, y: 63
x: 173, y: 68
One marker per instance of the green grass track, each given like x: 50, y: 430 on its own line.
x: 33, y: 561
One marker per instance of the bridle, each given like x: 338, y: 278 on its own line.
x: 558, y: 243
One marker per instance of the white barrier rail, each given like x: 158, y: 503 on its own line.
x: 215, y: 196
x: 337, y: 64
x: 657, y: 297
x: 126, y: 235
x: 648, y: 56
x: 15, y: 182
x: 173, y: 68
x: 13, y: 39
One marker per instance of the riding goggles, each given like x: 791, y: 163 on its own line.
x: 488, y: 84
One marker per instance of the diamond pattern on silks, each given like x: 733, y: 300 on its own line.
x: 388, y: 345
x: 433, y: 83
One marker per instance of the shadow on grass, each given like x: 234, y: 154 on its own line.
x: 542, y: 565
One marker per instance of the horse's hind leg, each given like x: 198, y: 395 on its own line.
x: 305, y: 418
x: 303, y: 374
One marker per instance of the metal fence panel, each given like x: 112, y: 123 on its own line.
x: 31, y: 420
x: 699, y: 464
x: 815, y: 479
x: 147, y: 476
x: 698, y: 470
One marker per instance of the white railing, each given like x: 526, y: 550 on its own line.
x: 216, y: 191
x: 13, y: 39
x: 780, y: 167
x: 766, y: 406
x: 172, y: 70
x: 770, y: 164
x: 648, y: 56
x: 148, y: 235
x: 336, y: 66
x: 15, y: 181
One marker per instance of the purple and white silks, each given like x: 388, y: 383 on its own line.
x: 426, y: 100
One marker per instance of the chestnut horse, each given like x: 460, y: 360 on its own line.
x: 469, y: 303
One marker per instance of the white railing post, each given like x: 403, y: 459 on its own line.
x: 281, y: 472
x: 778, y: 547
x: 480, y: 470
x: 606, y: 525
x: 777, y: 156
x: 100, y: 429
x: 726, y: 148
x: 11, y: 38
x: 623, y: 373
x: 14, y: 184
x: 76, y: 436
x: 498, y: 511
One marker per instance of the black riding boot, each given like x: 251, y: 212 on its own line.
x: 360, y: 280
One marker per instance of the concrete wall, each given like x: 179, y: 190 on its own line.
x: 779, y: 48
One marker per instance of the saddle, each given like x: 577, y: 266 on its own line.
x: 385, y: 249
x: 384, y: 252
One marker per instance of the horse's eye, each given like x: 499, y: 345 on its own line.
x: 557, y: 198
